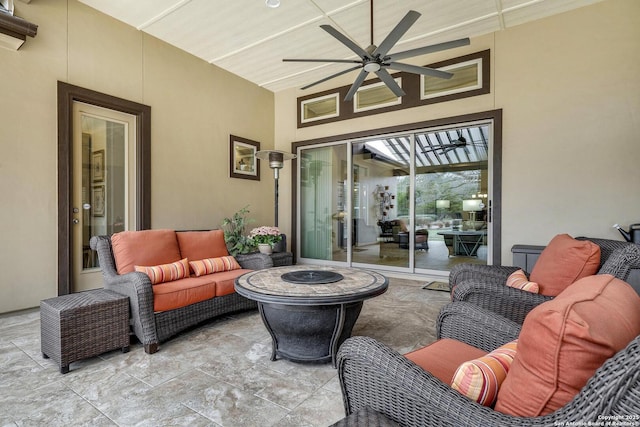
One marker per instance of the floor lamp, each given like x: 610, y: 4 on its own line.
x: 276, y: 162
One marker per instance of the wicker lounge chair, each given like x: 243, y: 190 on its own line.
x: 376, y: 377
x: 484, y: 285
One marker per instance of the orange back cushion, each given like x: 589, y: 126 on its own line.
x: 565, y: 340
x: 146, y: 247
x: 564, y: 261
x: 197, y: 245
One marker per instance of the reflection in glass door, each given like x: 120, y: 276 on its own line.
x: 322, y: 203
x: 381, y: 196
x: 102, y: 189
x: 416, y: 202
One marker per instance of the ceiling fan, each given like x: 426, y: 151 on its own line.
x: 375, y: 59
x: 461, y: 142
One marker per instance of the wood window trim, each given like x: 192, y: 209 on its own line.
x: 17, y: 29
x: 410, y: 84
x: 67, y: 95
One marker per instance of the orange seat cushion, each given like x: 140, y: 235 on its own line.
x: 197, y: 245
x: 443, y: 357
x: 564, y: 341
x: 225, y: 281
x: 145, y: 247
x: 564, y: 261
x: 184, y: 292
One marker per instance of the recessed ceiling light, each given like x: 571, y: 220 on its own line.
x: 272, y: 3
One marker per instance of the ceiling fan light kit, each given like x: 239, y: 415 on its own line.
x: 375, y: 59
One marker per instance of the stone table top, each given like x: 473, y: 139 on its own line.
x: 268, y: 286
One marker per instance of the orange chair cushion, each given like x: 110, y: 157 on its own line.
x: 480, y: 379
x: 519, y: 280
x: 442, y: 358
x: 145, y: 247
x: 564, y: 341
x: 564, y: 261
x: 197, y: 245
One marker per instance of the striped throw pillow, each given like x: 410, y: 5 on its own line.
x: 480, y: 379
x: 519, y: 280
x: 166, y: 272
x: 214, y: 265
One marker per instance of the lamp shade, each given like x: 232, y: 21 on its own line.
x: 443, y: 204
x: 472, y: 205
x: 276, y: 158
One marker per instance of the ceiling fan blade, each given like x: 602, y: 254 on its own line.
x: 427, y: 49
x: 390, y: 82
x: 356, y: 84
x: 345, y: 41
x: 332, y: 76
x: 345, y: 61
x: 398, y: 31
x: 419, y: 70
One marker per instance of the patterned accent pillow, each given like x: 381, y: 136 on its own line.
x: 480, y: 379
x: 519, y: 280
x: 214, y: 265
x: 166, y: 272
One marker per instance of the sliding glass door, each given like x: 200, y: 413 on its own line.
x: 410, y: 202
x: 322, y: 177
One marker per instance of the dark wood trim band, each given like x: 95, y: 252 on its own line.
x: 410, y: 84
x: 67, y: 95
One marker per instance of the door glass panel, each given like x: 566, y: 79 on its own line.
x: 103, y: 181
x: 322, y: 203
x: 451, y: 192
x: 103, y: 184
x: 380, y: 195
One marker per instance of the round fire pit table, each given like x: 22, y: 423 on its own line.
x: 310, y: 310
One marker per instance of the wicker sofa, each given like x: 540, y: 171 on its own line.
x: 154, y: 247
x: 377, y: 379
x: 484, y: 285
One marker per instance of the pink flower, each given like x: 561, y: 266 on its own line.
x: 265, y: 234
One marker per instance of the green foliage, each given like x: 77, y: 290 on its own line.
x: 234, y: 233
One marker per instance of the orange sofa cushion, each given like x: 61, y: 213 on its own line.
x: 184, y: 292
x: 564, y: 261
x: 564, y: 341
x: 165, y: 272
x: 214, y: 265
x: 145, y: 247
x: 197, y: 245
x: 225, y: 281
x: 442, y: 358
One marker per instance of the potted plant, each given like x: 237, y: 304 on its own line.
x: 265, y: 237
x: 234, y: 237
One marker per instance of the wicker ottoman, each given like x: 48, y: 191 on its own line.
x: 82, y: 325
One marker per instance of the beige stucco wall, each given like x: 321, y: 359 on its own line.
x: 195, y: 106
x: 568, y: 86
